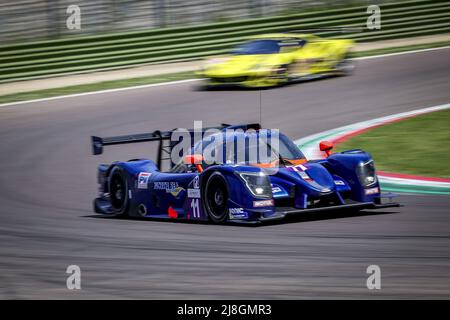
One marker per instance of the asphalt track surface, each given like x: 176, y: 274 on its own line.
x: 48, y: 180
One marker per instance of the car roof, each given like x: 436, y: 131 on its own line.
x: 284, y: 36
x: 240, y: 133
x: 225, y: 136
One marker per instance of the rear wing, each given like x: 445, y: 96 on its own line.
x: 165, y: 148
x: 98, y: 143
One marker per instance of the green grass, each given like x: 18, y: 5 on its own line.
x: 418, y: 145
x: 114, y: 84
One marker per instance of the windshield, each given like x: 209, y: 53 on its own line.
x: 246, y: 148
x: 268, y: 46
x: 258, y: 47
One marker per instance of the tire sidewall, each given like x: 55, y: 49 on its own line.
x: 349, y: 64
x: 291, y: 69
x: 118, y: 171
x: 213, y: 176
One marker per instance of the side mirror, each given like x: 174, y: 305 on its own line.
x: 195, y: 159
x: 326, y: 146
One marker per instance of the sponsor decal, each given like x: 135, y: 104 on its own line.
x: 196, y: 182
x: 176, y: 191
x: 236, y: 210
x: 166, y: 186
x: 276, y: 189
x: 193, y: 193
x: 339, y: 182
x: 372, y: 191
x: 143, y: 180
x: 171, y: 187
x: 263, y: 203
x: 304, y: 175
x: 300, y: 169
x: 237, y: 213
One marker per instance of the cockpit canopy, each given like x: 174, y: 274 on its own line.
x: 268, y: 46
x: 247, y: 148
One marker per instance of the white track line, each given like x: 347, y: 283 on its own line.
x: 313, y: 152
x: 401, y: 53
x: 190, y: 80
x: 99, y: 92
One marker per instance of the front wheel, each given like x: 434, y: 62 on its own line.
x: 346, y: 66
x: 216, y: 198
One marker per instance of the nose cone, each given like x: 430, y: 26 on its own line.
x: 310, y: 178
x: 321, y: 178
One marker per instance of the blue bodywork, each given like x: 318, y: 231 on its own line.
x: 344, y: 180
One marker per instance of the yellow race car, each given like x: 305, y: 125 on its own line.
x: 276, y: 59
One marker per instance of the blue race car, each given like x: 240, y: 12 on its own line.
x: 234, y: 190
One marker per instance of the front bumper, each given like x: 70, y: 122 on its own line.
x: 102, y: 206
x: 283, y: 212
x: 247, y: 82
x: 250, y: 79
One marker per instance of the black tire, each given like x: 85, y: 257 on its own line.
x: 118, y: 191
x: 346, y: 66
x: 290, y: 72
x: 216, y: 198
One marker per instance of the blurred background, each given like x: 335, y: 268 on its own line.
x: 45, y: 19
x: 36, y: 42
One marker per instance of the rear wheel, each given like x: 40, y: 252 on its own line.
x: 216, y: 198
x: 118, y: 191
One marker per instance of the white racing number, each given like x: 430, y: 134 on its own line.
x: 195, y: 206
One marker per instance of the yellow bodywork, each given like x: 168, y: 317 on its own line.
x: 313, y: 56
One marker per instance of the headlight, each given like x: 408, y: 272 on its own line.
x: 366, y: 173
x: 257, y: 183
x: 214, y: 62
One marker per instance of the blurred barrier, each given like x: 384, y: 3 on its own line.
x: 69, y: 55
x: 40, y: 19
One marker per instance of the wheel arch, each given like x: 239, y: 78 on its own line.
x: 203, y: 189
